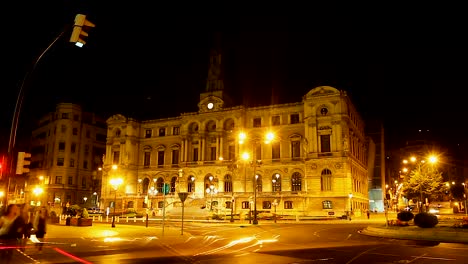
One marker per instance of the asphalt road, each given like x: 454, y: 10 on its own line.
x: 234, y: 243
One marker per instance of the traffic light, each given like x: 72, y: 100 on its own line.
x: 167, y: 188
x: 79, y: 30
x: 23, y: 160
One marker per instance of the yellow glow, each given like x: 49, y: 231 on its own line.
x: 242, y: 137
x: 245, y: 156
x: 41, y: 177
x: 269, y: 137
x: 405, y: 169
x: 405, y: 161
x: 116, y: 183
x: 2, y: 193
x: 433, y: 159
x: 38, y: 190
x: 114, y: 167
x: 413, y: 159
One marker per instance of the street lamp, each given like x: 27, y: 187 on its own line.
x: 96, y: 203
x: 211, y: 190
x: 85, y: 199
x: 275, y: 204
x: 38, y: 191
x: 268, y: 138
x: 115, y: 184
x: 153, y: 192
x: 276, y: 188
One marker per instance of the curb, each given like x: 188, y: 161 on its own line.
x: 417, y: 233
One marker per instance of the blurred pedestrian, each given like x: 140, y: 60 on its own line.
x: 6, y: 228
x: 40, y: 226
x: 22, y: 226
x: 368, y: 213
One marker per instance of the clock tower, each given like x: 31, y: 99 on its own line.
x: 214, y: 97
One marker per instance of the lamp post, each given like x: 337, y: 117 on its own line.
x: 276, y: 188
x: 232, y: 210
x: 96, y: 202
x: 268, y: 138
x: 275, y: 204
x: 115, y: 184
x: 211, y: 190
x: 85, y: 199
x: 153, y: 192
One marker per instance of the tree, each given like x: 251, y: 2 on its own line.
x: 424, y: 181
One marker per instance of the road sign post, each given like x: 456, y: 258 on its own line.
x: 182, y: 197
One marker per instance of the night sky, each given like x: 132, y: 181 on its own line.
x: 407, y: 68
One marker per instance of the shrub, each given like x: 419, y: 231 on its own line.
x: 425, y: 220
x: 405, y: 216
x: 84, y: 213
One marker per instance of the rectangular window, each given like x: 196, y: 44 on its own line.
x: 288, y: 205
x: 72, y: 163
x: 231, y: 153
x: 160, y: 158
x: 83, y: 183
x: 175, y: 156
x: 258, y: 151
x: 212, y: 153
x: 70, y: 180
x: 58, y: 179
x: 245, y: 205
x: 85, y: 164
x: 228, y: 205
x: 266, y: 205
x: 148, y: 133
x: 325, y: 143
x: 295, y: 150
x: 64, y: 128
x: 88, y: 134
x: 60, y: 162
x: 76, y: 117
x: 175, y: 131
x: 61, y: 146
x: 294, y: 118
x: 75, y: 131
x: 275, y: 120
x: 86, y: 149
x: 64, y: 115
x: 195, y: 154
x: 275, y: 151
x: 147, y: 159
x: 257, y: 122
x: 73, y: 148
x: 116, y: 157
x: 162, y: 132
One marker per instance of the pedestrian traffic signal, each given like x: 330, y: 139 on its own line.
x: 23, y: 160
x: 79, y: 30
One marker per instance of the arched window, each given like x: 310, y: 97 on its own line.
x: 227, y: 183
x: 191, y: 184
x: 145, y: 186
x: 326, y: 180
x: 276, y: 182
x: 130, y: 204
x: 160, y: 185
x: 296, y: 182
x: 173, y: 184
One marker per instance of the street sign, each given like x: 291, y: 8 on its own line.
x: 183, y: 196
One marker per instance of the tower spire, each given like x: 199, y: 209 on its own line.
x: 215, y: 80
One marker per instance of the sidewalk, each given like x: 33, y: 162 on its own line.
x: 443, y: 232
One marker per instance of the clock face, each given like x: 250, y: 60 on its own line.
x: 210, y: 105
